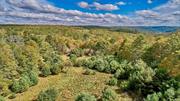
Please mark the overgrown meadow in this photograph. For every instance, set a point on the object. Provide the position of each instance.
(64, 63)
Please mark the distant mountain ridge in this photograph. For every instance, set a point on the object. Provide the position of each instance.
(158, 29)
(148, 29)
(137, 29)
(130, 29)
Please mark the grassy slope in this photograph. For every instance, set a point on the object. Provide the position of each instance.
(70, 84)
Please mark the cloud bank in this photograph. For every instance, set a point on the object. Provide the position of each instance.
(41, 12)
(98, 6)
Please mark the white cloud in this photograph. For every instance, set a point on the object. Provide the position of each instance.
(166, 14)
(108, 7)
(33, 4)
(83, 4)
(18, 13)
(176, 13)
(147, 13)
(150, 1)
(121, 3)
(98, 6)
(41, 12)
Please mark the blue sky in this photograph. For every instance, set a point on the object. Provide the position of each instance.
(129, 6)
(91, 12)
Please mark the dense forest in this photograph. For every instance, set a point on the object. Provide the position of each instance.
(145, 66)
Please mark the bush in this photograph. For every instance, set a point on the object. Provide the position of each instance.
(56, 69)
(109, 95)
(24, 84)
(33, 78)
(113, 81)
(125, 85)
(85, 97)
(153, 97)
(80, 62)
(2, 98)
(141, 73)
(161, 74)
(89, 72)
(48, 95)
(45, 72)
(78, 52)
(123, 71)
(114, 65)
(15, 87)
(170, 94)
(100, 65)
(12, 96)
(28, 79)
(21, 85)
(73, 57)
(119, 74)
(89, 63)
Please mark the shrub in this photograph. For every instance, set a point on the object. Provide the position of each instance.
(107, 67)
(113, 81)
(119, 73)
(78, 52)
(89, 63)
(161, 74)
(114, 65)
(109, 58)
(24, 84)
(56, 69)
(12, 96)
(169, 94)
(100, 65)
(80, 62)
(124, 70)
(85, 97)
(109, 95)
(73, 57)
(154, 97)
(15, 87)
(2, 98)
(48, 95)
(89, 72)
(33, 78)
(20, 86)
(125, 85)
(141, 72)
(45, 72)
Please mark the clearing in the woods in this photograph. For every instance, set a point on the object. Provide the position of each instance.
(71, 84)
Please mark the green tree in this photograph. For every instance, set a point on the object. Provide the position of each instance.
(32, 76)
(85, 97)
(24, 84)
(48, 95)
(159, 51)
(109, 95)
(45, 71)
(15, 87)
(113, 81)
(137, 48)
(154, 97)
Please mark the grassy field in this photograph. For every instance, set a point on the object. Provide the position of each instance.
(71, 84)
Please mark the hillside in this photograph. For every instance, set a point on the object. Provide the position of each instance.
(67, 63)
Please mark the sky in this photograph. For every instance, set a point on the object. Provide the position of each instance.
(91, 12)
